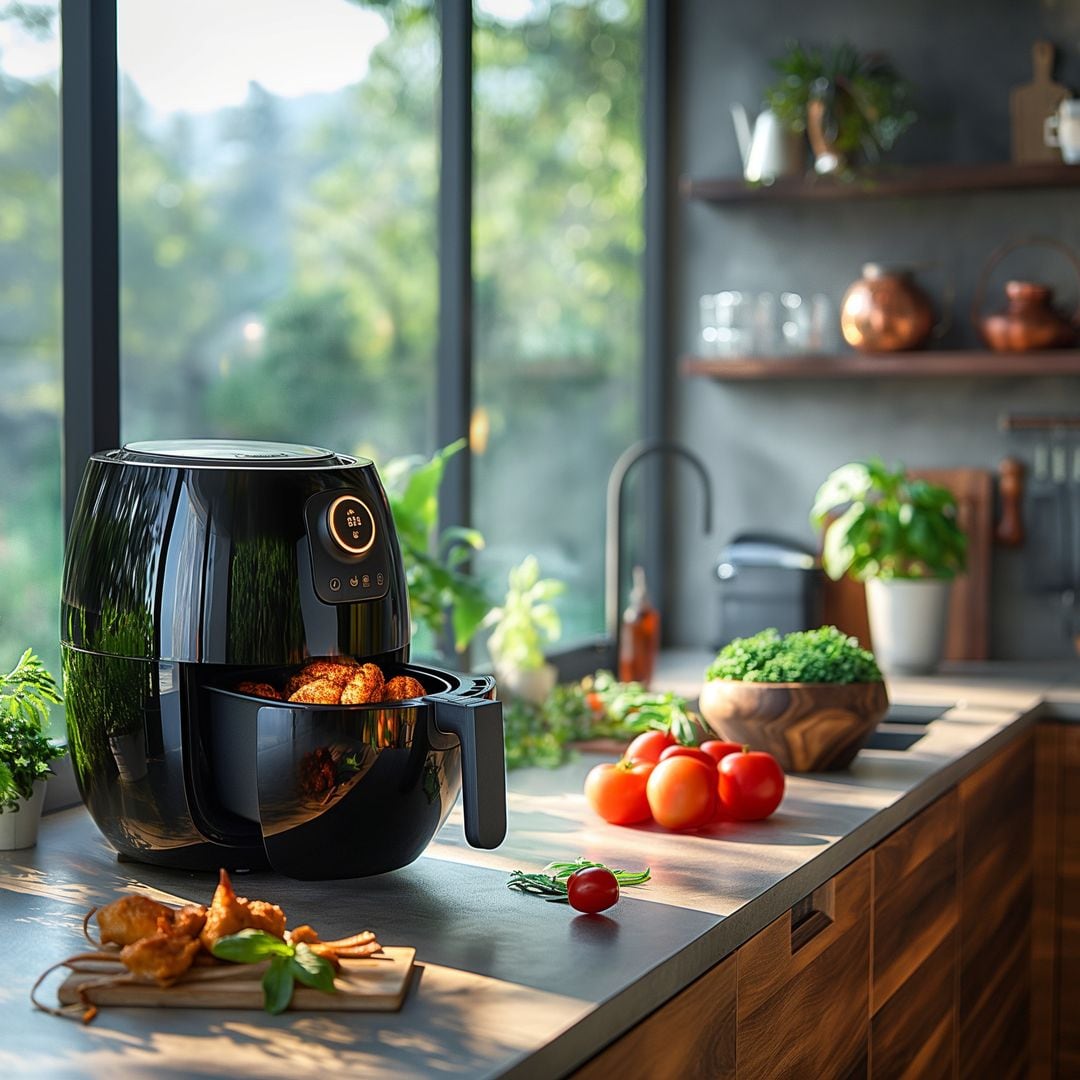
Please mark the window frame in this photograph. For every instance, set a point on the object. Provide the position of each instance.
(91, 263)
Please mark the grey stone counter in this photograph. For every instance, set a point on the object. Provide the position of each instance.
(506, 984)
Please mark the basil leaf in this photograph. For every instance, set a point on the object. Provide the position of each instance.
(277, 985)
(250, 946)
(313, 970)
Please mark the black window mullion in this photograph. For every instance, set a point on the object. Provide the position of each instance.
(91, 236)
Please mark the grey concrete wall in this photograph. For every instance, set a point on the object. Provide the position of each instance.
(770, 444)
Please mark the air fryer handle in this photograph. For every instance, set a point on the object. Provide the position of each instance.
(477, 723)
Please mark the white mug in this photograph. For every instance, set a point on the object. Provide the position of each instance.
(1063, 129)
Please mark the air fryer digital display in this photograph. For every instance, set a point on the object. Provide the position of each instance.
(348, 562)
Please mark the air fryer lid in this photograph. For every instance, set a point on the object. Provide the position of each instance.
(195, 453)
(762, 550)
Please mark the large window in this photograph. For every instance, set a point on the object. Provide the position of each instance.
(558, 255)
(30, 389)
(278, 183)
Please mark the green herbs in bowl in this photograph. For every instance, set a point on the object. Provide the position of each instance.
(811, 698)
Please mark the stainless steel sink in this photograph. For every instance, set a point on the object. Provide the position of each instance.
(904, 726)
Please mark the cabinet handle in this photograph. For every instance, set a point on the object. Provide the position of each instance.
(812, 915)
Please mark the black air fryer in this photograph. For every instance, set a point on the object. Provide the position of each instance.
(194, 567)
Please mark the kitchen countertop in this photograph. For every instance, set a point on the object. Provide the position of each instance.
(506, 984)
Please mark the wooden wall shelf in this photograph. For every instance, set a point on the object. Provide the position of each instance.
(887, 183)
(914, 365)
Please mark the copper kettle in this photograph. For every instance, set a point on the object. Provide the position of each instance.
(1030, 320)
(886, 311)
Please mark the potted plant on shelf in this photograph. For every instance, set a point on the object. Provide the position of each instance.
(901, 537)
(519, 630)
(26, 751)
(851, 105)
(811, 698)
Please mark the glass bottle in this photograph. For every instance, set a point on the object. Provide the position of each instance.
(640, 635)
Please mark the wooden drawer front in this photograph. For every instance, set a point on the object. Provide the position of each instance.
(692, 1035)
(996, 892)
(1068, 1002)
(916, 904)
(803, 1011)
(913, 1035)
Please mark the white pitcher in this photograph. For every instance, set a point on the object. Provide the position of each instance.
(770, 150)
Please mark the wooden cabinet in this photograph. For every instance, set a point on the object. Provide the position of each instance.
(914, 955)
(996, 892)
(803, 986)
(1068, 882)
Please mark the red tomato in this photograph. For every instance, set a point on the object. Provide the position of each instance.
(592, 889)
(690, 752)
(648, 746)
(718, 750)
(595, 702)
(682, 793)
(616, 791)
(751, 785)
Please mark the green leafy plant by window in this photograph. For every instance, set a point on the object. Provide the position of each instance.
(26, 693)
(879, 523)
(526, 620)
(825, 655)
(867, 105)
(434, 560)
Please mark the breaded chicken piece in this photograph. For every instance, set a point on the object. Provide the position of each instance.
(365, 686)
(161, 956)
(403, 687)
(338, 672)
(318, 692)
(188, 921)
(229, 914)
(257, 689)
(130, 918)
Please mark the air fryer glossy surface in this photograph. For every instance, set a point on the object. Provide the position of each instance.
(226, 564)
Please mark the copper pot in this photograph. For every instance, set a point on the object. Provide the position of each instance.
(886, 311)
(1030, 321)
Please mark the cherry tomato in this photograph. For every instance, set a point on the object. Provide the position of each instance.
(690, 752)
(718, 750)
(682, 793)
(592, 889)
(648, 746)
(616, 791)
(595, 702)
(751, 785)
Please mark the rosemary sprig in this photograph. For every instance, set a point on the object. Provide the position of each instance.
(550, 883)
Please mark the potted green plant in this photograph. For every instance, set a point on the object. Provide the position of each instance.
(26, 752)
(901, 537)
(811, 698)
(852, 105)
(520, 628)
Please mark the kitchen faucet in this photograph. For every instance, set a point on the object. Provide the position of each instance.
(613, 541)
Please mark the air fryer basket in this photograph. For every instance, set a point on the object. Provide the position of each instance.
(354, 790)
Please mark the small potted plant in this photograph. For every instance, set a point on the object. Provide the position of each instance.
(519, 630)
(900, 536)
(851, 105)
(26, 751)
(811, 698)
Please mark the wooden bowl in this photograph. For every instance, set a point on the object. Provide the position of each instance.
(807, 727)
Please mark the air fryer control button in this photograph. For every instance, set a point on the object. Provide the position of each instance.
(335, 584)
(351, 525)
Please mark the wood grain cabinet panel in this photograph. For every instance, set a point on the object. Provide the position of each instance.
(803, 986)
(913, 965)
(692, 1035)
(996, 892)
(1068, 972)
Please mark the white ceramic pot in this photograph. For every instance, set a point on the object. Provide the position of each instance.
(19, 828)
(533, 685)
(908, 619)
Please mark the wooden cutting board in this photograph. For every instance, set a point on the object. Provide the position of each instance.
(369, 985)
(968, 632)
(1031, 104)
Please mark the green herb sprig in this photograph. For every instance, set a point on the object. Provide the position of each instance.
(550, 883)
(824, 655)
(289, 964)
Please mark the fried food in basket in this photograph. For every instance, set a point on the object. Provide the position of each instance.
(317, 692)
(365, 686)
(166, 945)
(338, 672)
(258, 689)
(402, 688)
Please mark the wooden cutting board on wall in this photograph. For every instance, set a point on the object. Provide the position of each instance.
(968, 635)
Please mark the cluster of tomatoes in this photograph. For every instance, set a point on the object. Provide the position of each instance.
(685, 787)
